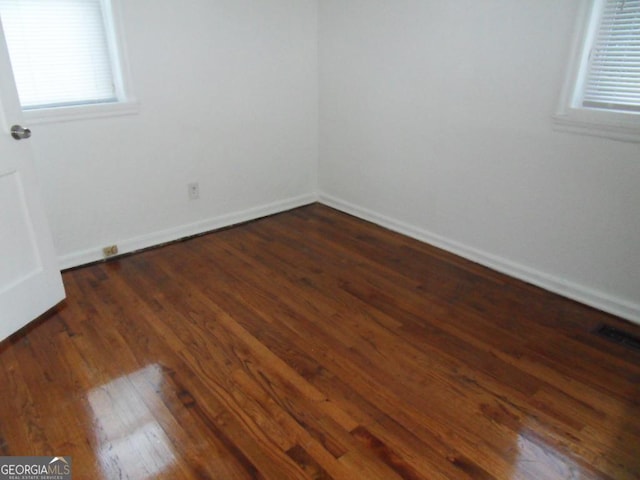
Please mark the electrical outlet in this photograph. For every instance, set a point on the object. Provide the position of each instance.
(194, 191)
(110, 251)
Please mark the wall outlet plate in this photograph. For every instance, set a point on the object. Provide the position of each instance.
(194, 191)
(110, 251)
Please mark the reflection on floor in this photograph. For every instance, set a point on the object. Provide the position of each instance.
(129, 436)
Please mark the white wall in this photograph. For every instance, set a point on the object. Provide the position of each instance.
(436, 121)
(228, 98)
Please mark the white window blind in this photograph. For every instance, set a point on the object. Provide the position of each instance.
(613, 76)
(59, 52)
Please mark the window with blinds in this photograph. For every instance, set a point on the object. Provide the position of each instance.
(60, 52)
(612, 76)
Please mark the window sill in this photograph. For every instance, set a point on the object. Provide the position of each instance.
(622, 127)
(80, 112)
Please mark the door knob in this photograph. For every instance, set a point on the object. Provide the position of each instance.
(18, 132)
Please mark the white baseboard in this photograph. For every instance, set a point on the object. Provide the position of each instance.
(601, 301)
(129, 245)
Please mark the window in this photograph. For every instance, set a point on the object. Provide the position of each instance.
(64, 55)
(602, 94)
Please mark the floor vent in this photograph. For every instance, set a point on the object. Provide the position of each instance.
(618, 336)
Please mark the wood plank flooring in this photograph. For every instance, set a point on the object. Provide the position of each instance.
(312, 345)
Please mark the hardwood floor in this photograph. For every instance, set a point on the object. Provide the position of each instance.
(314, 345)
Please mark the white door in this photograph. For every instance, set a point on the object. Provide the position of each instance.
(30, 281)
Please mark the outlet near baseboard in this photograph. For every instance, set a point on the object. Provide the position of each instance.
(110, 251)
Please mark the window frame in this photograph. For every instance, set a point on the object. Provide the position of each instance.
(574, 118)
(125, 103)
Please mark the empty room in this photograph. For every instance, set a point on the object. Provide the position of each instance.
(320, 239)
